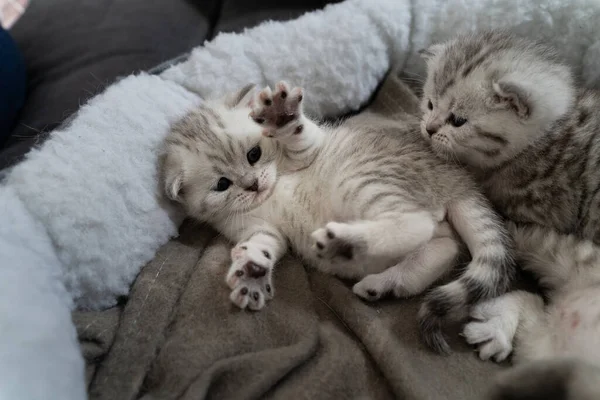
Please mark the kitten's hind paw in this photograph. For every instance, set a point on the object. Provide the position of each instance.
(336, 242)
(370, 288)
(249, 276)
(279, 112)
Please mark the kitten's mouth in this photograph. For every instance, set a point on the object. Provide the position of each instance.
(262, 194)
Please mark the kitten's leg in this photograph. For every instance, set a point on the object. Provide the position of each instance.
(499, 322)
(414, 274)
(283, 119)
(360, 242)
(250, 274)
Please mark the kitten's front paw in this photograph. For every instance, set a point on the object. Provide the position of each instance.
(370, 288)
(249, 276)
(335, 242)
(279, 113)
(488, 332)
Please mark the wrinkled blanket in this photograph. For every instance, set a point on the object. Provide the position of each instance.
(179, 337)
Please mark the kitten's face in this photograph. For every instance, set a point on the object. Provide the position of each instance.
(218, 164)
(466, 123)
(488, 96)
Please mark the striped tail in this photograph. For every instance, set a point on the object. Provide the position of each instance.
(489, 274)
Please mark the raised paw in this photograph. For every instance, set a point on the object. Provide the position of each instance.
(336, 242)
(249, 276)
(370, 288)
(279, 112)
(489, 333)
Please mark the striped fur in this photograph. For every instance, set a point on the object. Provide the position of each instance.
(532, 140)
(366, 199)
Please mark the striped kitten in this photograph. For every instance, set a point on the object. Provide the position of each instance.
(509, 111)
(357, 200)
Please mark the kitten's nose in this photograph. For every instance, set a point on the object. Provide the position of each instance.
(430, 130)
(254, 186)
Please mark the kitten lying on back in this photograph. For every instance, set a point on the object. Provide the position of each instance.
(358, 200)
(509, 111)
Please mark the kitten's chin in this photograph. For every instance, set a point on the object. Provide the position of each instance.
(442, 151)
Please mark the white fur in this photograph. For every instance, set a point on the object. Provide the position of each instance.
(92, 184)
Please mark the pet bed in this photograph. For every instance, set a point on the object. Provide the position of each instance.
(83, 214)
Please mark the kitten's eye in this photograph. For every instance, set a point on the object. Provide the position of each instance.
(254, 155)
(222, 185)
(430, 105)
(456, 121)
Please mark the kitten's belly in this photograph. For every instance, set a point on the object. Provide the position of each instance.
(298, 209)
(575, 325)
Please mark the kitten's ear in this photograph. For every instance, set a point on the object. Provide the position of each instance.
(241, 98)
(431, 51)
(174, 185)
(513, 95)
(171, 177)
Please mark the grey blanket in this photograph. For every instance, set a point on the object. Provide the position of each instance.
(178, 336)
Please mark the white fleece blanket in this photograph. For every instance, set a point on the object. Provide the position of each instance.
(82, 214)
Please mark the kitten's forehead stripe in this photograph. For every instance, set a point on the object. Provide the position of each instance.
(216, 158)
(209, 114)
(229, 155)
(241, 147)
(230, 145)
(445, 87)
(461, 58)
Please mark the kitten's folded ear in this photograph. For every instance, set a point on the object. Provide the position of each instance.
(513, 95)
(171, 178)
(174, 186)
(242, 97)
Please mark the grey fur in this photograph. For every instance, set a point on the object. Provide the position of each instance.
(532, 140)
(365, 200)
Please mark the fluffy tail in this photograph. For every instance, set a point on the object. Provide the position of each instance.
(555, 379)
(489, 274)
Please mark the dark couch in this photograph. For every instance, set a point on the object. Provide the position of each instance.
(73, 49)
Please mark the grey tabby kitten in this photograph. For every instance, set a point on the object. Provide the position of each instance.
(358, 200)
(509, 111)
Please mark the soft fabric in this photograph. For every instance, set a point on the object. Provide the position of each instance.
(105, 193)
(39, 357)
(317, 340)
(92, 185)
(12, 84)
